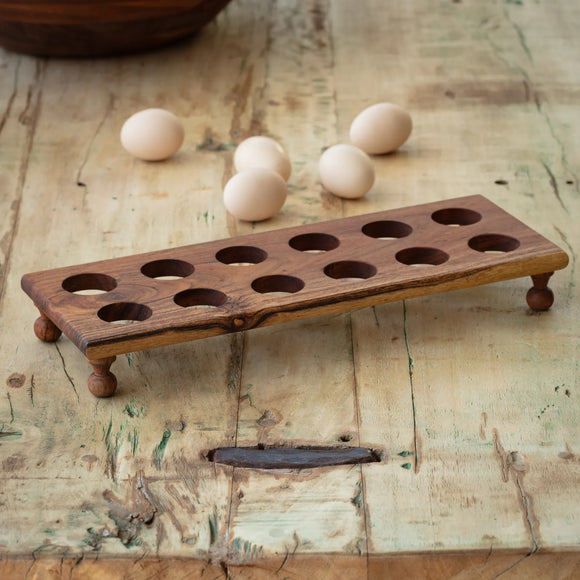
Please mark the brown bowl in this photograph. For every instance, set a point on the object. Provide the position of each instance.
(88, 28)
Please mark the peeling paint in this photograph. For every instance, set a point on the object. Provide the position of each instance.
(159, 451)
(131, 515)
(357, 500)
(9, 434)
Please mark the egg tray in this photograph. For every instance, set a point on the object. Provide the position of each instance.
(171, 296)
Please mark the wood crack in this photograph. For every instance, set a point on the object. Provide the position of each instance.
(237, 351)
(416, 459)
(526, 501)
(66, 372)
(11, 408)
(513, 463)
(362, 486)
(529, 87)
(11, 98)
(554, 186)
(23, 171)
(511, 567)
(570, 249)
(538, 103)
(107, 112)
(31, 390)
(563, 157)
(520, 34)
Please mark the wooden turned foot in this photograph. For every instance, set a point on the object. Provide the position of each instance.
(539, 296)
(102, 382)
(45, 329)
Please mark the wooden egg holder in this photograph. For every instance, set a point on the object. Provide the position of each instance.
(166, 297)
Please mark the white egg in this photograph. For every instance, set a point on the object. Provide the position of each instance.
(346, 171)
(381, 128)
(152, 134)
(263, 152)
(255, 194)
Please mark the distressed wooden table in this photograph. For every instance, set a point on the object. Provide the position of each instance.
(469, 400)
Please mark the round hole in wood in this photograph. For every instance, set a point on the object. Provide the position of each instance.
(241, 255)
(421, 256)
(200, 298)
(456, 216)
(350, 269)
(314, 243)
(387, 229)
(167, 269)
(89, 283)
(494, 243)
(124, 312)
(277, 284)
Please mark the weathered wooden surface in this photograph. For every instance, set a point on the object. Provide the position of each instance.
(473, 399)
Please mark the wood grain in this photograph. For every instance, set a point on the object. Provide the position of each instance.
(90, 28)
(472, 397)
(549, 566)
(289, 274)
